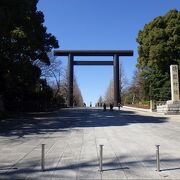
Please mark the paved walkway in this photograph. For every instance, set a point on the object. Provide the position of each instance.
(72, 139)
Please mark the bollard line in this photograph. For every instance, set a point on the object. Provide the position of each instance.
(101, 158)
(43, 157)
(157, 158)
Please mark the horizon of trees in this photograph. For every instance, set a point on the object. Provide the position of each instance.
(30, 74)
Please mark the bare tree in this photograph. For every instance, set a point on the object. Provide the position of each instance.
(135, 87)
(123, 82)
(133, 93)
(53, 73)
(77, 96)
(109, 95)
(100, 102)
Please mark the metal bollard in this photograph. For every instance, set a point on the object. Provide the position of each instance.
(43, 157)
(157, 158)
(101, 158)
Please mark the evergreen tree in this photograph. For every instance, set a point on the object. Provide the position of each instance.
(159, 47)
(23, 39)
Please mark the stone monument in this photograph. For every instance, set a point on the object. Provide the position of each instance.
(174, 83)
(172, 106)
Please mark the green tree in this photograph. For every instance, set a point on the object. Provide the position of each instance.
(159, 47)
(23, 39)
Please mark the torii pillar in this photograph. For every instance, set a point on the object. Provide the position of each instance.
(70, 80)
(113, 53)
(117, 98)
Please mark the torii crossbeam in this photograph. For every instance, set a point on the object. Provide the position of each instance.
(115, 62)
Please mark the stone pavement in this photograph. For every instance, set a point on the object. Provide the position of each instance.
(73, 136)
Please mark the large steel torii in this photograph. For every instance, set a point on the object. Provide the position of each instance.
(115, 62)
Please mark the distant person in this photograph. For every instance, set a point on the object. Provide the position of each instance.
(119, 105)
(104, 106)
(90, 104)
(84, 105)
(111, 107)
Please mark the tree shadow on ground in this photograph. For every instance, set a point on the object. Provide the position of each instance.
(141, 167)
(64, 120)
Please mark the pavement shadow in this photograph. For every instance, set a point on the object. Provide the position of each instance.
(129, 167)
(64, 120)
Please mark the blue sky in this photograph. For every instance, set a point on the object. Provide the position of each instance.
(99, 25)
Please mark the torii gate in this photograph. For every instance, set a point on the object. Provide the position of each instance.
(115, 62)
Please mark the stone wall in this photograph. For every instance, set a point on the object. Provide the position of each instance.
(171, 107)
